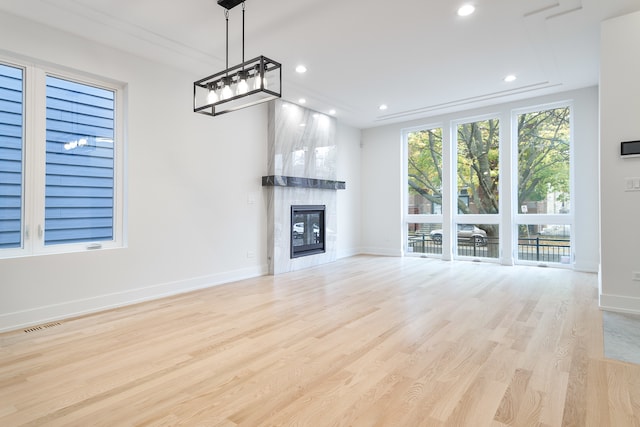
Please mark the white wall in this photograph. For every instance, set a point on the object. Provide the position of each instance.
(349, 200)
(190, 180)
(382, 175)
(382, 190)
(619, 121)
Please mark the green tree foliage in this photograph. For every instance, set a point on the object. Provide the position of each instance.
(543, 155)
(478, 166)
(425, 164)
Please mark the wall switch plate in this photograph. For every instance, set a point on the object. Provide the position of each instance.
(636, 276)
(632, 184)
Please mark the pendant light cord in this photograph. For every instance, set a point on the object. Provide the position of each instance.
(242, 35)
(226, 15)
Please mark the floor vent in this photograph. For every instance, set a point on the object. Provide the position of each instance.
(41, 327)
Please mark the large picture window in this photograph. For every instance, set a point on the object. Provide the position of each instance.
(543, 212)
(424, 191)
(66, 194)
(477, 189)
(458, 204)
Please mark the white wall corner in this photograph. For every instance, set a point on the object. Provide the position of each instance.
(349, 252)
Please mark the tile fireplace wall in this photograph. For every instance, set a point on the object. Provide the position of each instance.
(302, 144)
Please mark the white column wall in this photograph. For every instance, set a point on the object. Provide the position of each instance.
(349, 200)
(619, 121)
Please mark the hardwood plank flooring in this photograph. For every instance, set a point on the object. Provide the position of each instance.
(365, 341)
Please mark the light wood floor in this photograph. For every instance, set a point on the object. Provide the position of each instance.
(361, 342)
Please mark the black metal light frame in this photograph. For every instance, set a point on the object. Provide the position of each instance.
(265, 73)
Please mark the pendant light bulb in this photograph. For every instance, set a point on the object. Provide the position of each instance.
(243, 86)
(226, 89)
(212, 96)
(227, 92)
(258, 80)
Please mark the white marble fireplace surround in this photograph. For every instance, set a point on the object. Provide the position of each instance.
(302, 144)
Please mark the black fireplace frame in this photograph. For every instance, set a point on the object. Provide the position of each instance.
(317, 247)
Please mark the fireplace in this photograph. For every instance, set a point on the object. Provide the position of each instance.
(301, 188)
(307, 230)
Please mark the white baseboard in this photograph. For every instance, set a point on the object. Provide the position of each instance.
(586, 267)
(56, 312)
(382, 251)
(346, 253)
(620, 304)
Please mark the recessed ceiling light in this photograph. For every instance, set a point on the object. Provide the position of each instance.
(510, 78)
(383, 107)
(302, 101)
(466, 10)
(301, 69)
(332, 112)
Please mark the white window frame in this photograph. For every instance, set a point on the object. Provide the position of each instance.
(418, 218)
(518, 218)
(34, 161)
(456, 218)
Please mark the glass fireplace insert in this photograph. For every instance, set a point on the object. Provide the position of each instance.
(307, 230)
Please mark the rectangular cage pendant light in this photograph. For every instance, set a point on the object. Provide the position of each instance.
(248, 83)
(252, 82)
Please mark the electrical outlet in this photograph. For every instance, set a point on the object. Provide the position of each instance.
(636, 276)
(251, 254)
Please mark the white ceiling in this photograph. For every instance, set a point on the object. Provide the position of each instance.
(416, 56)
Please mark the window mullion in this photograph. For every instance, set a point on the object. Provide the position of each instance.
(36, 152)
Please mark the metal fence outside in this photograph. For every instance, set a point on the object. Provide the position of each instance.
(423, 244)
(529, 249)
(544, 249)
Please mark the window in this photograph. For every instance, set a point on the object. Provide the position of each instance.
(478, 167)
(543, 217)
(11, 153)
(79, 163)
(455, 204)
(61, 185)
(424, 191)
(477, 189)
